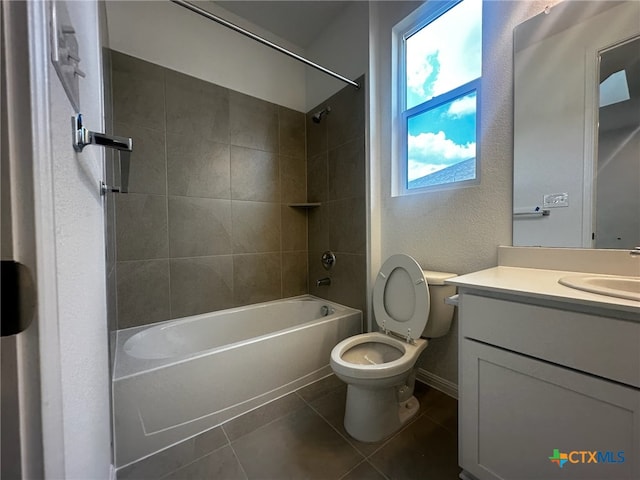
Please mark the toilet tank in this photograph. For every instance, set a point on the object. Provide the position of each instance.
(440, 314)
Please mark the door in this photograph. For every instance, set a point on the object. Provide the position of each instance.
(21, 453)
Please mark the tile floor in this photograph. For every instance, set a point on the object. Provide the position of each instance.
(301, 436)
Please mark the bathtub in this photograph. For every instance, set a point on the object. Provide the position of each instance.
(175, 379)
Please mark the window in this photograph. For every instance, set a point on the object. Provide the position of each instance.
(439, 72)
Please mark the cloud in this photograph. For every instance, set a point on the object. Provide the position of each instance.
(463, 106)
(418, 70)
(430, 152)
(436, 149)
(458, 55)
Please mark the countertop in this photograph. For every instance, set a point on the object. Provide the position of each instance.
(540, 284)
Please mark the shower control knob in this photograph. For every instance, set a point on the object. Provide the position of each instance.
(328, 260)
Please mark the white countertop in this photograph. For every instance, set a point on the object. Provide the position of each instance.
(541, 284)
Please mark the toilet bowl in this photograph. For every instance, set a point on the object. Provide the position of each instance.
(379, 367)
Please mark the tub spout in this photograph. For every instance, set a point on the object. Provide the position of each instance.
(323, 281)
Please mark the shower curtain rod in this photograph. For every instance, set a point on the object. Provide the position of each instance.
(247, 33)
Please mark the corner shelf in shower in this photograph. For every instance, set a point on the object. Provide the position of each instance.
(306, 205)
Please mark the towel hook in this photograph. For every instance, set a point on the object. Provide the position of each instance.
(83, 137)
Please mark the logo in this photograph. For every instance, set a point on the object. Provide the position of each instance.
(585, 456)
(559, 458)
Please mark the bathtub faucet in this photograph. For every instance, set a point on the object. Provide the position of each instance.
(323, 281)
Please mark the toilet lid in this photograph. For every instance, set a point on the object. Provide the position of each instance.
(401, 297)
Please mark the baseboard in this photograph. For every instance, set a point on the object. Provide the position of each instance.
(112, 472)
(464, 475)
(439, 383)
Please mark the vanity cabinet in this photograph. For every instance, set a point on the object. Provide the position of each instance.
(539, 382)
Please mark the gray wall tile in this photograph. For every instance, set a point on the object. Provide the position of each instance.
(196, 109)
(348, 279)
(347, 170)
(148, 170)
(256, 227)
(347, 116)
(255, 175)
(293, 177)
(318, 228)
(200, 285)
(294, 229)
(316, 133)
(318, 177)
(141, 227)
(199, 227)
(197, 167)
(138, 92)
(143, 292)
(256, 278)
(292, 132)
(336, 177)
(211, 172)
(294, 274)
(253, 122)
(348, 227)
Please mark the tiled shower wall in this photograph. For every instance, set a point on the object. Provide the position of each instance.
(337, 178)
(206, 224)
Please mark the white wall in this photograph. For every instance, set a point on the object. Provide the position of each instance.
(450, 230)
(555, 124)
(169, 35)
(342, 47)
(73, 338)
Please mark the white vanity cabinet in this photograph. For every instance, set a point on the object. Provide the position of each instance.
(539, 381)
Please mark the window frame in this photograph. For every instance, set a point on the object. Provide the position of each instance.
(412, 24)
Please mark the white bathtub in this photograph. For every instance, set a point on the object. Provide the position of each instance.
(175, 379)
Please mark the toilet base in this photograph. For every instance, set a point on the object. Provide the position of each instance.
(408, 409)
(372, 415)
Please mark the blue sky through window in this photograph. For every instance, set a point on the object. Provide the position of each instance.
(440, 57)
(441, 137)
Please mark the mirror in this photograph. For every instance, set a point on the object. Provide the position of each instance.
(574, 184)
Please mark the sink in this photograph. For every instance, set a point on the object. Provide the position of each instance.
(613, 286)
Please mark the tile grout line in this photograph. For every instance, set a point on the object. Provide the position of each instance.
(233, 450)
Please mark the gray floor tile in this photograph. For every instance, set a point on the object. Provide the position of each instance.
(422, 450)
(300, 445)
(321, 388)
(331, 408)
(364, 471)
(209, 441)
(259, 417)
(220, 464)
(441, 408)
(157, 465)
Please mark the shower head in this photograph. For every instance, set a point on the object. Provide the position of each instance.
(316, 117)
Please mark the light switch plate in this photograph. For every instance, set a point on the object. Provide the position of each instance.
(553, 200)
(64, 52)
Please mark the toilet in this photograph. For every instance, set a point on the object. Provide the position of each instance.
(379, 367)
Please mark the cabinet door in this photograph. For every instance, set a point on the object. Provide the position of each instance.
(520, 418)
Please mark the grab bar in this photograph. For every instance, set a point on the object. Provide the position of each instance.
(83, 137)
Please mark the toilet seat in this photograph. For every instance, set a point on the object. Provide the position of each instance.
(409, 353)
(401, 297)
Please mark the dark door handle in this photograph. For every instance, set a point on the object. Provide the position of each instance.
(18, 298)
